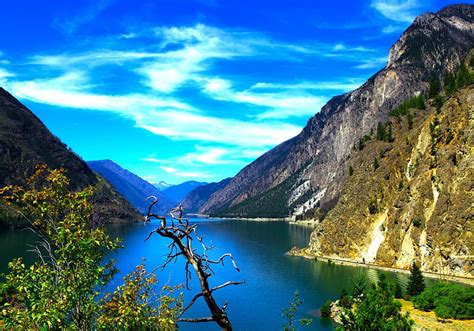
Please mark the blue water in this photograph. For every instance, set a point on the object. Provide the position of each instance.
(270, 276)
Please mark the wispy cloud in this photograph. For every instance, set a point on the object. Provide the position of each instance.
(403, 11)
(372, 63)
(177, 58)
(71, 25)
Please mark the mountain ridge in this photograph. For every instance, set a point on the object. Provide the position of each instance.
(132, 187)
(25, 141)
(317, 152)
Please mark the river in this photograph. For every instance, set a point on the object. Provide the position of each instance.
(270, 276)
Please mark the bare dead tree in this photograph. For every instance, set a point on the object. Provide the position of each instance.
(182, 235)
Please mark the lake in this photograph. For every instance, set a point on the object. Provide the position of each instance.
(270, 276)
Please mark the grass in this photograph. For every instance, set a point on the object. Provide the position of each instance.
(428, 320)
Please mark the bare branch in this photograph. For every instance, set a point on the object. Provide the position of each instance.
(182, 235)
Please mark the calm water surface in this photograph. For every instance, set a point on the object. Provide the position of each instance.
(270, 276)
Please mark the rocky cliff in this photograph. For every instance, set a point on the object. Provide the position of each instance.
(25, 141)
(409, 198)
(306, 172)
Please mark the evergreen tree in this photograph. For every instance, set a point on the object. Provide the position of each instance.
(381, 132)
(450, 84)
(435, 87)
(351, 171)
(463, 77)
(416, 282)
(376, 164)
(397, 291)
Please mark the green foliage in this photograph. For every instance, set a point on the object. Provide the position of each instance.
(400, 185)
(471, 61)
(417, 222)
(351, 171)
(438, 102)
(448, 300)
(377, 310)
(289, 314)
(345, 300)
(326, 309)
(362, 141)
(375, 164)
(417, 102)
(416, 282)
(463, 77)
(61, 289)
(435, 87)
(134, 306)
(449, 83)
(397, 291)
(360, 283)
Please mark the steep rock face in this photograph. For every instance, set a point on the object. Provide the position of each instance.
(25, 141)
(417, 204)
(194, 200)
(133, 188)
(433, 44)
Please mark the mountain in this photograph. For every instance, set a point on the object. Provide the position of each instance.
(306, 171)
(133, 188)
(25, 141)
(162, 185)
(194, 200)
(178, 192)
(415, 202)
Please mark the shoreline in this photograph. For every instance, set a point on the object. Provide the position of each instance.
(290, 220)
(348, 262)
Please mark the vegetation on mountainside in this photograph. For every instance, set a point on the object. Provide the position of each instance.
(61, 289)
(271, 203)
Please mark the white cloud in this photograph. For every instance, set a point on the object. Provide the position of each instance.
(397, 10)
(344, 85)
(170, 170)
(372, 63)
(280, 105)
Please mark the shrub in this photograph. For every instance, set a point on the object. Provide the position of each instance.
(417, 222)
(447, 300)
(326, 309)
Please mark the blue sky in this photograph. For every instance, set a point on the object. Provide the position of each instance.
(194, 89)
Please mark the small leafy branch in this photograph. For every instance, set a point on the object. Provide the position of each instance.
(182, 235)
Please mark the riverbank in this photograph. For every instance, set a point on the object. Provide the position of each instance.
(290, 220)
(305, 253)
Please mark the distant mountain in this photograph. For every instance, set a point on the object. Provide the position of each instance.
(178, 192)
(162, 185)
(131, 186)
(194, 200)
(25, 141)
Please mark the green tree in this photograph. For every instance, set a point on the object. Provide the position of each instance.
(381, 132)
(351, 171)
(463, 77)
(435, 87)
(289, 314)
(375, 164)
(377, 310)
(448, 300)
(326, 309)
(450, 84)
(416, 282)
(61, 289)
